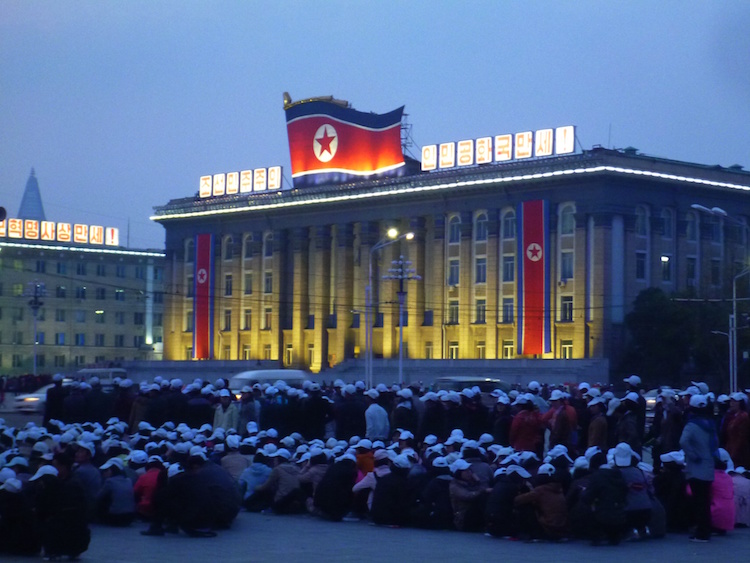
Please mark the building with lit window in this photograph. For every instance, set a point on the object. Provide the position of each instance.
(290, 267)
(92, 301)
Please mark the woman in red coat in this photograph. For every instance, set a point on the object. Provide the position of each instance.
(527, 429)
(736, 431)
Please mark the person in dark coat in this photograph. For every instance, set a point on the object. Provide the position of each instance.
(333, 496)
(19, 532)
(500, 421)
(499, 513)
(223, 491)
(606, 495)
(199, 410)
(115, 502)
(317, 412)
(350, 415)
(670, 487)
(391, 498)
(54, 401)
(432, 417)
(433, 508)
(61, 510)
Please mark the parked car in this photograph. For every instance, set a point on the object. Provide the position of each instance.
(33, 403)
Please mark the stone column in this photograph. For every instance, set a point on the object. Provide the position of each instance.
(344, 293)
(300, 301)
(321, 294)
(493, 279)
(415, 299)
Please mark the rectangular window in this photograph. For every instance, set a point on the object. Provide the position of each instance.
(59, 361)
(453, 312)
(158, 297)
(227, 319)
(691, 267)
(60, 315)
(480, 270)
(453, 350)
(248, 319)
(98, 340)
(80, 339)
(507, 310)
(158, 274)
(189, 287)
(428, 351)
(101, 270)
(59, 339)
(81, 268)
(120, 270)
(267, 318)
(640, 265)
(566, 308)
(138, 341)
(101, 293)
(139, 318)
(509, 350)
(453, 271)
(81, 292)
(40, 360)
(226, 353)
(62, 268)
(18, 314)
(17, 361)
(245, 351)
(228, 285)
(288, 355)
(268, 283)
(158, 319)
(80, 316)
(80, 360)
(666, 268)
(267, 351)
(100, 359)
(188, 321)
(509, 226)
(566, 266)
(480, 350)
(17, 289)
(566, 349)
(248, 289)
(60, 291)
(715, 271)
(119, 295)
(18, 337)
(119, 318)
(41, 266)
(140, 272)
(481, 311)
(119, 340)
(509, 268)
(100, 317)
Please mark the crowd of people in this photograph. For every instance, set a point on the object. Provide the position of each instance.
(534, 464)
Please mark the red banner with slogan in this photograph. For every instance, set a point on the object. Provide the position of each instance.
(534, 319)
(203, 303)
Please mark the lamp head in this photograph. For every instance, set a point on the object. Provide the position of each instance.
(392, 232)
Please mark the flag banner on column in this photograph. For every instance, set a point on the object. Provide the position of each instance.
(203, 301)
(534, 316)
(332, 143)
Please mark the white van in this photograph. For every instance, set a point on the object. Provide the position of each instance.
(292, 377)
(106, 375)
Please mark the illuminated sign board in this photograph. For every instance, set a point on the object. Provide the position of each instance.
(50, 231)
(500, 148)
(244, 182)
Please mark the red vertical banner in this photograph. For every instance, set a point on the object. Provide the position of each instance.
(534, 317)
(203, 305)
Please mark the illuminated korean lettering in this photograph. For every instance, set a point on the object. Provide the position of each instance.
(233, 183)
(429, 157)
(447, 155)
(466, 153)
(205, 187)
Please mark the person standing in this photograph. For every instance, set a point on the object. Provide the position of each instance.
(699, 442)
(376, 418)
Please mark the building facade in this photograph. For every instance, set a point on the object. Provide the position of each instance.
(291, 267)
(94, 306)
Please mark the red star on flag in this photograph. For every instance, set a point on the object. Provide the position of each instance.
(325, 141)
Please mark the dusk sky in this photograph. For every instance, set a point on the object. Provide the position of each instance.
(122, 106)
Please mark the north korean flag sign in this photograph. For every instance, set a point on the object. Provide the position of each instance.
(332, 143)
(203, 303)
(534, 319)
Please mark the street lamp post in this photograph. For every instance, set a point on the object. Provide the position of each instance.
(403, 272)
(392, 237)
(35, 290)
(719, 212)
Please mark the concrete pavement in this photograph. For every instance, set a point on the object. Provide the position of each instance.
(259, 538)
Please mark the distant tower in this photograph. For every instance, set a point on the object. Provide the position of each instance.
(31, 204)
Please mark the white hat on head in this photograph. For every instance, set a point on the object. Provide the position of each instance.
(556, 395)
(633, 380)
(44, 470)
(459, 465)
(581, 462)
(593, 392)
(677, 457)
(612, 406)
(596, 401)
(698, 401)
(546, 469)
(583, 385)
(534, 386)
(174, 469)
(702, 386)
(692, 390)
(12, 485)
(592, 451)
(113, 462)
(632, 396)
(517, 469)
(623, 454)
(372, 393)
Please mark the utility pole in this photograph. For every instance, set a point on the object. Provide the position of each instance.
(35, 290)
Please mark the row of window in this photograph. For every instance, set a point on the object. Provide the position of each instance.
(666, 268)
(247, 320)
(508, 272)
(81, 292)
(59, 360)
(80, 316)
(80, 339)
(100, 270)
(227, 248)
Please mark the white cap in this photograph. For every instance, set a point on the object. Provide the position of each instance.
(583, 385)
(556, 395)
(623, 454)
(459, 465)
(534, 386)
(44, 470)
(546, 469)
(702, 387)
(633, 380)
(632, 396)
(372, 393)
(698, 401)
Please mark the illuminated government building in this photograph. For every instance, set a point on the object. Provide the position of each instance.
(96, 302)
(290, 266)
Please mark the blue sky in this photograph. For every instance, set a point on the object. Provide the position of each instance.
(121, 106)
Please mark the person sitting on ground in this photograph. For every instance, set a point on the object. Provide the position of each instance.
(333, 496)
(500, 516)
(115, 503)
(722, 495)
(391, 498)
(283, 485)
(638, 500)
(543, 512)
(606, 495)
(467, 497)
(433, 509)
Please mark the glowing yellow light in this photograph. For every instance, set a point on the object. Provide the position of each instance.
(392, 233)
(409, 236)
